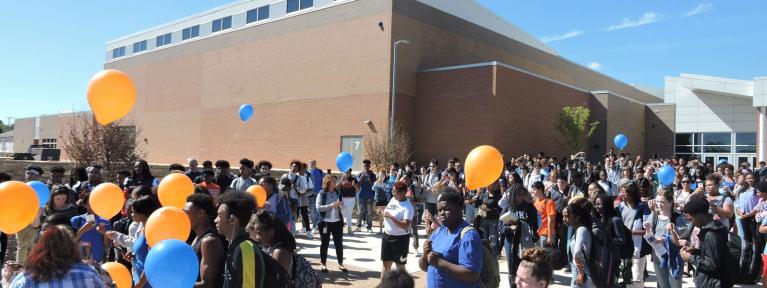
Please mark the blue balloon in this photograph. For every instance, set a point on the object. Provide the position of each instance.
(246, 111)
(344, 161)
(620, 141)
(43, 193)
(172, 264)
(666, 175)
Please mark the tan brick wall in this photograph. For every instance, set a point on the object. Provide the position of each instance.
(310, 78)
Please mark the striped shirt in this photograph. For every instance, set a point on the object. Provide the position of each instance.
(79, 276)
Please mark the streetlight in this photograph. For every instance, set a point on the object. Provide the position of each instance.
(394, 86)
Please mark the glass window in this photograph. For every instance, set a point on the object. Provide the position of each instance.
(295, 5)
(683, 149)
(191, 32)
(745, 149)
(163, 40)
(745, 138)
(263, 13)
(118, 52)
(684, 139)
(697, 149)
(222, 24)
(716, 149)
(258, 14)
(716, 139)
(139, 46)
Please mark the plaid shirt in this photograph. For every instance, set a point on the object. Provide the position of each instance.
(79, 276)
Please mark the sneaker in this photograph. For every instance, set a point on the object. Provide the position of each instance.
(314, 230)
(309, 235)
(349, 231)
(358, 229)
(370, 230)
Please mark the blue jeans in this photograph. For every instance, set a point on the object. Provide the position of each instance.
(470, 213)
(365, 212)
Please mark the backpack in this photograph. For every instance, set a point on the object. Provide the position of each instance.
(603, 261)
(626, 249)
(274, 274)
(303, 273)
(743, 263)
(490, 274)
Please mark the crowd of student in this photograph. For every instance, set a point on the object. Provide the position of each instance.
(599, 221)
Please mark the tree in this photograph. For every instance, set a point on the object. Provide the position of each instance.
(575, 128)
(4, 127)
(383, 150)
(112, 146)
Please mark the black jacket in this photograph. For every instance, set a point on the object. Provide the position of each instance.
(709, 260)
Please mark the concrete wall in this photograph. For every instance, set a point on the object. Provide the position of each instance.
(700, 111)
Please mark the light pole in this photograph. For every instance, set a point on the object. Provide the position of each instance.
(394, 86)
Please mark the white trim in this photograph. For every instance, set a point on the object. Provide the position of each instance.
(191, 22)
(496, 63)
(660, 104)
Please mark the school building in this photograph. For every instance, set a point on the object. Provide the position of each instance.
(320, 73)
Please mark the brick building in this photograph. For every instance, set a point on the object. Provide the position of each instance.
(317, 71)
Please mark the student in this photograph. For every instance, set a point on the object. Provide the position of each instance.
(396, 279)
(535, 270)
(634, 214)
(548, 211)
(365, 213)
(233, 215)
(59, 203)
(708, 259)
(722, 207)
(665, 229)
(241, 184)
(207, 244)
(55, 262)
(274, 238)
(578, 216)
(223, 177)
(453, 256)
(208, 183)
(489, 209)
(521, 232)
(397, 218)
(91, 229)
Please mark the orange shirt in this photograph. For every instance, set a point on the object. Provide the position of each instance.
(546, 208)
(213, 188)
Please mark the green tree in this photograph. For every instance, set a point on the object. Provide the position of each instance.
(575, 128)
(4, 128)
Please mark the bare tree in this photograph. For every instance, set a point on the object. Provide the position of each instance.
(112, 146)
(384, 150)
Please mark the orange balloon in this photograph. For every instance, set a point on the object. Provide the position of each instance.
(106, 200)
(259, 193)
(119, 274)
(167, 223)
(483, 166)
(174, 189)
(18, 206)
(111, 95)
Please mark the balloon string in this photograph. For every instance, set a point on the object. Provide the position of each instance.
(236, 131)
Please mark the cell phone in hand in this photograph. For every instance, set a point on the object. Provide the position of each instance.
(90, 218)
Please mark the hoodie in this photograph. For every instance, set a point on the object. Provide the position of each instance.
(708, 262)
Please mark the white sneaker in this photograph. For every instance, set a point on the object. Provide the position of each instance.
(309, 235)
(314, 230)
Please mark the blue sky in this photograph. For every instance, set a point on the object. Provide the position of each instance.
(53, 47)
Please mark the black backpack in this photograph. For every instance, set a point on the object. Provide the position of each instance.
(603, 261)
(743, 263)
(274, 274)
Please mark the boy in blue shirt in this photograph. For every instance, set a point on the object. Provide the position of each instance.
(90, 232)
(450, 258)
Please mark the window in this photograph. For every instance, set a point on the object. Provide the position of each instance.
(222, 24)
(163, 40)
(716, 139)
(139, 46)
(295, 5)
(745, 138)
(683, 139)
(118, 52)
(717, 149)
(51, 143)
(191, 32)
(258, 14)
